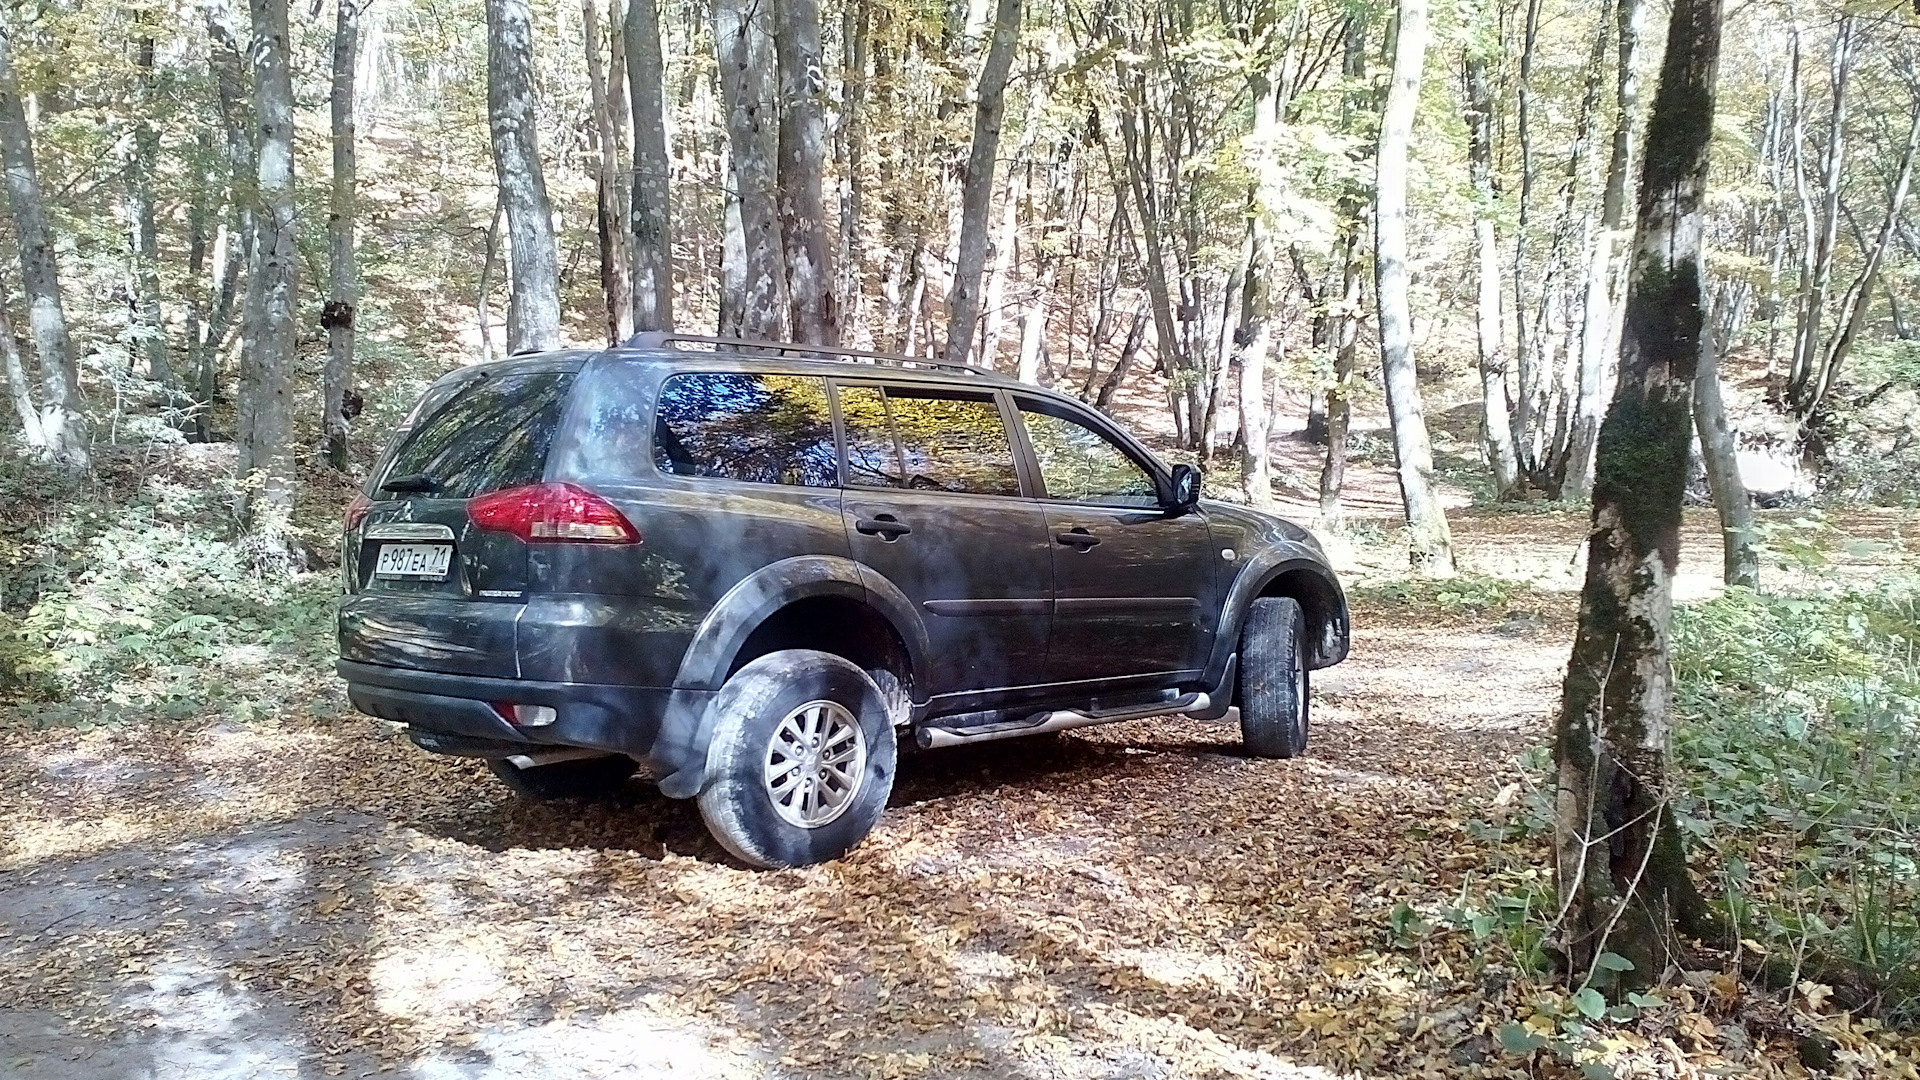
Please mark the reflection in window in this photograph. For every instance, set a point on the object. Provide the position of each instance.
(769, 429)
(1081, 465)
(946, 441)
(492, 433)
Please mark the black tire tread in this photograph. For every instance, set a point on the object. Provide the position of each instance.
(1273, 712)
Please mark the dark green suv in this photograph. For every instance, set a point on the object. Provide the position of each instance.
(754, 568)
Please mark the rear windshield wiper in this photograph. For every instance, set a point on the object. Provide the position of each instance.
(411, 482)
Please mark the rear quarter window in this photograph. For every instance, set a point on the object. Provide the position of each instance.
(763, 428)
(492, 433)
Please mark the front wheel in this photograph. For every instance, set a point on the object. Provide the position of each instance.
(801, 759)
(1273, 678)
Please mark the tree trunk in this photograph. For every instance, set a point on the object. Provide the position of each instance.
(652, 223)
(804, 227)
(233, 247)
(15, 374)
(142, 231)
(747, 75)
(533, 268)
(60, 424)
(1803, 371)
(1431, 542)
(1739, 540)
(976, 194)
(343, 287)
(1346, 321)
(613, 199)
(856, 25)
(1496, 416)
(1600, 311)
(267, 452)
(1619, 859)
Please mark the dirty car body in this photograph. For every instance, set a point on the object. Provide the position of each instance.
(573, 553)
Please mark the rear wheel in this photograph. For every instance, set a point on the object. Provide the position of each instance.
(584, 778)
(1274, 694)
(801, 759)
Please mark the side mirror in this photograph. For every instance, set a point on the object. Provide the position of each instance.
(1186, 489)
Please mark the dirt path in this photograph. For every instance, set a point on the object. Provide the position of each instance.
(317, 898)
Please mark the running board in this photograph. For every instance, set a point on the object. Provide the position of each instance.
(1041, 723)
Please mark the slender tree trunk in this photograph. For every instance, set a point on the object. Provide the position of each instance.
(233, 248)
(652, 223)
(533, 268)
(1346, 320)
(856, 27)
(60, 422)
(143, 232)
(1739, 540)
(976, 195)
(804, 227)
(483, 306)
(1621, 867)
(747, 77)
(614, 201)
(1431, 549)
(18, 392)
(1803, 371)
(343, 286)
(267, 452)
(1496, 417)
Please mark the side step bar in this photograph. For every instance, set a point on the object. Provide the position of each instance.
(1040, 723)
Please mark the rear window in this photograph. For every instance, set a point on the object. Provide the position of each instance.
(491, 434)
(768, 429)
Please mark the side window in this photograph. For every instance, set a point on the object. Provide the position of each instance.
(1079, 464)
(946, 441)
(769, 429)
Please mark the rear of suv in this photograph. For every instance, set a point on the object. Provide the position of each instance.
(754, 569)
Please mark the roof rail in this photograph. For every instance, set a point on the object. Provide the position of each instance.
(658, 339)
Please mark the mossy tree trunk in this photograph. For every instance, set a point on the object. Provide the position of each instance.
(1621, 865)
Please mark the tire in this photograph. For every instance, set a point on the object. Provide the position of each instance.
(585, 778)
(1273, 692)
(770, 792)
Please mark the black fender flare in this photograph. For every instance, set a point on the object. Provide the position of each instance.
(1331, 637)
(681, 748)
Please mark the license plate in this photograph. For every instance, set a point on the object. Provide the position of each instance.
(428, 561)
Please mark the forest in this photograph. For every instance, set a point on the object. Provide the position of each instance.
(1584, 336)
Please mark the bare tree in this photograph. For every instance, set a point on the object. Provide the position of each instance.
(266, 446)
(1739, 540)
(1431, 542)
(143, 231)
(343, 285)
(614, 199)
(651, 225)
(742, 38)
(533, 267)
(976, 193)
(1347, 312)
(60, 424)
(1620, 863)
(804, 227)
(1495, 415)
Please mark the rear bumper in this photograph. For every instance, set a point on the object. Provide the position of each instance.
(454, 714)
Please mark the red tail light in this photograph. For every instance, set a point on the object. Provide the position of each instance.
(553, 514)
(357, 510)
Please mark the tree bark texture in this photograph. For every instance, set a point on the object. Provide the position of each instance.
(60, 420)
(15, 372)
(1496, 416)
(976, 193)
(337, 316)
(651, 224)
(143, 233)
(1739, 540)
(614, 199)
(743, 39)
(1431, 542)
(1346, 319)
(533, 267)
(804, 228)
(1620, 864)
(267, 451)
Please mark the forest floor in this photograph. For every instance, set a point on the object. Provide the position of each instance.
(311, 896)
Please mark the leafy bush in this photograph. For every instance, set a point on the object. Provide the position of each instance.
(1800, 716)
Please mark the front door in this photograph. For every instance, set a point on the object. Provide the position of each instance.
(1133, 587)
(933, 503)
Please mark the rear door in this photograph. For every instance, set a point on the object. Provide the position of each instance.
(1130, 582)
(934, 503)
(431, 591)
